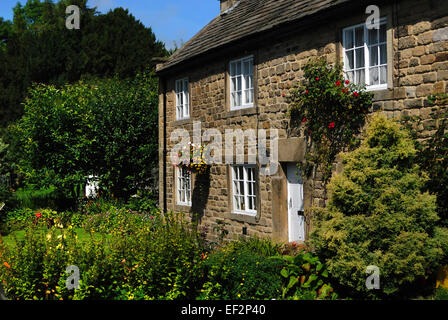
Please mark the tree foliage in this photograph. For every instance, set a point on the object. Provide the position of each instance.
(106, 128)
(37, 47)
(379, 215)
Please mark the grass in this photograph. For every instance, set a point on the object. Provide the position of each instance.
(83, 236)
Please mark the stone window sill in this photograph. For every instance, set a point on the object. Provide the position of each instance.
(244, 217)
(182, 208)
(183, 122)
(241, 112)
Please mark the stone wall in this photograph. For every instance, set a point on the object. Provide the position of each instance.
(418, 67)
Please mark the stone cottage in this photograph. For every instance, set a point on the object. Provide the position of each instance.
(234, 72)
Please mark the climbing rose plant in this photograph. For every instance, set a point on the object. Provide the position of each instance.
(331, 110)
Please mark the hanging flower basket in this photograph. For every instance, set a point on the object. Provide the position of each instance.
(196, 163)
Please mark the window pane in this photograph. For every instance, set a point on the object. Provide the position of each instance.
(373, 36)
(246, 82)
(349, 59)
(373, 56)
(246, 67)
(238, 68)
(360, 58)
(350, 76)
(348, 39)
(232, 69)
(383, 75)
(359, 36)
(237, 203)
(233, 85)
(374, 76)
(383, 32)
(238, 84)
(238, 99)
(360, 77)
(383, 54)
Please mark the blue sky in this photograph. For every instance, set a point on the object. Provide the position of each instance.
(170, 20)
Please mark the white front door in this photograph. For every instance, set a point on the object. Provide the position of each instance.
(296, 220)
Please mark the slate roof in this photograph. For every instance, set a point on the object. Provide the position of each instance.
(248, 18)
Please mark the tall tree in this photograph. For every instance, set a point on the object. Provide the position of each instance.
(37, 47)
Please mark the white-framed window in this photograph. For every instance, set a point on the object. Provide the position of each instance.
(182, 99)
(183, 187)
(243, 189)
(365, 55)
(241, 83)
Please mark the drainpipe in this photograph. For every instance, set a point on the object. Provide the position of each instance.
(165, 151)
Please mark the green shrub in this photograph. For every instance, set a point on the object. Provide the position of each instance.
(158, 259)
(305, 278)
(441, 293)
(378, 215)
(235, 272)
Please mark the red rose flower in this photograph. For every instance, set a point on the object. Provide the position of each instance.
(38, 214)
(317, 79)
(347, 82)
(283, 95)
(294, 244)
(338, 83)
(306, 91)
(331, 125)
(356, 94)
(345, 90)
(304, 120)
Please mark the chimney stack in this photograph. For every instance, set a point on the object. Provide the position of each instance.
(227, 4)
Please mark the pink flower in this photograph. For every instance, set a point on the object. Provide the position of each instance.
(294, 244)
(317, 79)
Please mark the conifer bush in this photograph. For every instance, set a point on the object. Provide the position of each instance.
(378, 215)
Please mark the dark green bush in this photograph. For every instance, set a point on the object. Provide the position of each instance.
(236, 272)
(441, 293)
